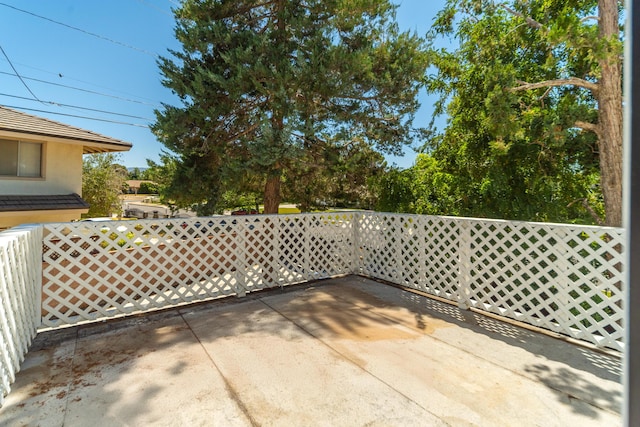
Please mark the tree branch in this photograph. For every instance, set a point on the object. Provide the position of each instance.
(587, 18)
(587, 206)
(571, 81)
(587, 126)
(529, 21)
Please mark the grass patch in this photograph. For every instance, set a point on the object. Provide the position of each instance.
(282, 210)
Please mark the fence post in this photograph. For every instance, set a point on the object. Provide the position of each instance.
(278, 251)
(564, 283)
(355, 243)
(242, 237)
(464, 264)
(305, 233)
(38, 259)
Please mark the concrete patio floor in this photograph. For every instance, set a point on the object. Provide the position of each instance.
(341, 352)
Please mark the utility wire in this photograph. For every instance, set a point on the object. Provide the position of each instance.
(164, 12)
(18, 74)
(80, 89)
(77, 107)
(146, 52)
(64, 76)
(76, 116)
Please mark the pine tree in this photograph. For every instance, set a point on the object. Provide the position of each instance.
(261, 83)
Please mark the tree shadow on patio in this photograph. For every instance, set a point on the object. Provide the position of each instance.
(571, 370)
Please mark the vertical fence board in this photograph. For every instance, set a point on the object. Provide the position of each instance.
(20, 284)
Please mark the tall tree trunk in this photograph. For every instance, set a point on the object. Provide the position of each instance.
(272, 186)
(272, 192)
(610, 116)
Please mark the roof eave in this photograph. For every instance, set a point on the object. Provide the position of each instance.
(88, 147)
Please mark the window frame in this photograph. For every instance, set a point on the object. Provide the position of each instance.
(17, 176)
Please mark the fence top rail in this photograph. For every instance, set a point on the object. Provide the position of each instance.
(16, 232)
(499, 221)
(336, 215)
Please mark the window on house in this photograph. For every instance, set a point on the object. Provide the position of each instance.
(19, 158)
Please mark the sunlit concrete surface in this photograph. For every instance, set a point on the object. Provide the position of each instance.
(342, 352)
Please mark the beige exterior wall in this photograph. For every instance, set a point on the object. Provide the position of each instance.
(12, 219)
(63, 147)
(62, 172)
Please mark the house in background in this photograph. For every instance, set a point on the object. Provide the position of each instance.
(135, 184)
(41, 168)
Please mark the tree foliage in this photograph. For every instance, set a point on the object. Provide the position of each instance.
(103, 180)
(148, 187)
(333, 174)
(532, 95)
(173, 180)
(263, 85)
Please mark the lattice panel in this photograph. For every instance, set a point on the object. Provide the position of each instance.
(295, 249)
(560, 277)
(103, 269)
(315, 246)
(20, 285)
(262, 253)
(379, 239)
(430, 255)
(416, 251)
(330, 240)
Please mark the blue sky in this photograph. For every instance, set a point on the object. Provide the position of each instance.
(66, 66)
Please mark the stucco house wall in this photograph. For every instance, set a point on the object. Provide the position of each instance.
(54, 196)
(62, 172)
(12, 219)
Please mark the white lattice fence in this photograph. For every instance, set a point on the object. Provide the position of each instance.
(97, 270)
(412, 250)
(20, 285)
(315, 246)
(561, 277)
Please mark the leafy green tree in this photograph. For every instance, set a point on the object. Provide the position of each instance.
(102, 183)
(263, 83)
(173, 186)
(434, 190)
(394, 191)
(358, 164)
(234, 200)
(148, 187)
(533, 96)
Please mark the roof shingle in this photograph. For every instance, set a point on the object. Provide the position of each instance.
(17, 121)
(14, 203)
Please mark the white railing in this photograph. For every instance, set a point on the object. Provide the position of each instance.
(96, 270)
(564, 278)
(20, 286)
(560, 277)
